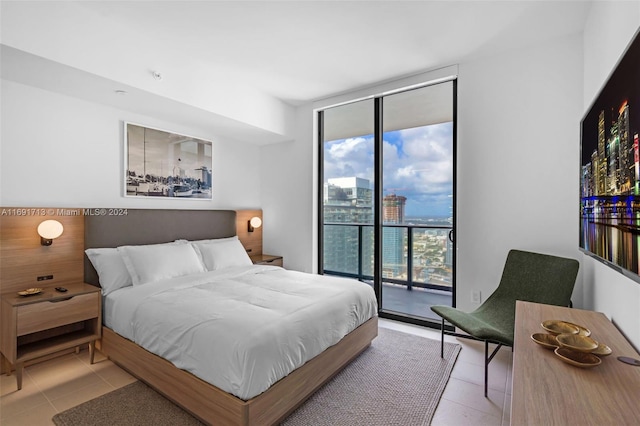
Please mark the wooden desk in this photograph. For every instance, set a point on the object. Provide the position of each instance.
(548, 391)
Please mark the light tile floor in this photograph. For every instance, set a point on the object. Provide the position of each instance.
(463, 402)
(64, 382)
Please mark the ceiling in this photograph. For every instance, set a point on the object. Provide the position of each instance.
(254, 61)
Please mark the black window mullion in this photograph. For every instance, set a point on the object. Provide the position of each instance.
(455, 189)
(377, 204)
(321, 192)
(409, 258)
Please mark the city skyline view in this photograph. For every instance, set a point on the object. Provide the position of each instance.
(349, 240)
(610, 167)
(611, 161)
(417, 165)
(609, 133)
(409, 171)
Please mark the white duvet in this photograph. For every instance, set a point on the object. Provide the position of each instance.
(241, 328)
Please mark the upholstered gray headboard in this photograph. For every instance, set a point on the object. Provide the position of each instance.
(117, 227)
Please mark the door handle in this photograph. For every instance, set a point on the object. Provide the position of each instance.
(451, 235)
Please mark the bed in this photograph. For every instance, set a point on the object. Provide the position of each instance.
(278, 340)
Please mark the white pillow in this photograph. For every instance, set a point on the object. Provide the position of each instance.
(112, 271)
(156, 262)
(222, 254)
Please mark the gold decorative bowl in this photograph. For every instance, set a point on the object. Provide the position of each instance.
(602, 350)
(578, 359)
(576, 342)
(560, 327)
(545, 340)
(583, 331)
(30, 291)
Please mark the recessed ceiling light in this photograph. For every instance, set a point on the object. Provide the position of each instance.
(121, 92)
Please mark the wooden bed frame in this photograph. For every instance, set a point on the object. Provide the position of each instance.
(205, 401)
(214, 406)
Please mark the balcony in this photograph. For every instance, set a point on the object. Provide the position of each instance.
(417, 263)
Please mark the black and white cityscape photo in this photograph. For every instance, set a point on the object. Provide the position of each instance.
(165, 164)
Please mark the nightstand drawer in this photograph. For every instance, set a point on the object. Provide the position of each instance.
(49, 314)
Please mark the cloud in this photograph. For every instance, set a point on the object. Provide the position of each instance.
(426, 166)
(417, 162)
(349, 157)
(348, 148)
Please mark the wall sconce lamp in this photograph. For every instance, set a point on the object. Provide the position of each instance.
(254, 223)
(48, 231)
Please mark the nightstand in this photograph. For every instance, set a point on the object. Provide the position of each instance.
(49, 322)
(266, 259)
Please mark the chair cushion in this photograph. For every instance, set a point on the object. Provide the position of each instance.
(475, 325)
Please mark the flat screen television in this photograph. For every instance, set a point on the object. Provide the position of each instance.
(610, 169)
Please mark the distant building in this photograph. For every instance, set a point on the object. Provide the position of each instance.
(615, 167)
(205, 179)
(393, 208)
(347, 200)
(393, 259)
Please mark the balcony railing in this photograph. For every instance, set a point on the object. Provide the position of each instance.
(412, 255)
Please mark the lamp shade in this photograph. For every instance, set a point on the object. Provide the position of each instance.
(50, 229)
(256, 222)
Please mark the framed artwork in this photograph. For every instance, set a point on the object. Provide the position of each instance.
(610, 169)
(163, 164)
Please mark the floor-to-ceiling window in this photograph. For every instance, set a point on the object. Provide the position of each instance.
(387, 167)
(348, 187)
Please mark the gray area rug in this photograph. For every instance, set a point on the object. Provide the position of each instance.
(134, 404)
(397, 381)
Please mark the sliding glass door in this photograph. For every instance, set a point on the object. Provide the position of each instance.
(388, 197)
(348, 190)
(417, 203)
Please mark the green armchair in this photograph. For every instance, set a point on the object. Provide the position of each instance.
(528, 276)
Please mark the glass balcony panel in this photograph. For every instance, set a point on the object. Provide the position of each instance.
(367, 257)
(432, 257)
(394, 253)
(341, 249)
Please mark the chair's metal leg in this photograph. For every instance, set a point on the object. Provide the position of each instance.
(442, 339)
(486, 366)
(487, 360)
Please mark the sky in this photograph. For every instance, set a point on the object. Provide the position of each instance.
(417, 163)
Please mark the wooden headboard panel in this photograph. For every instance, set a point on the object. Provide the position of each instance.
(23, 259)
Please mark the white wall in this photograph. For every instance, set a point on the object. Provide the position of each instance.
(61, 151)
(289, 173)
(609, 29)
(518, 146)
